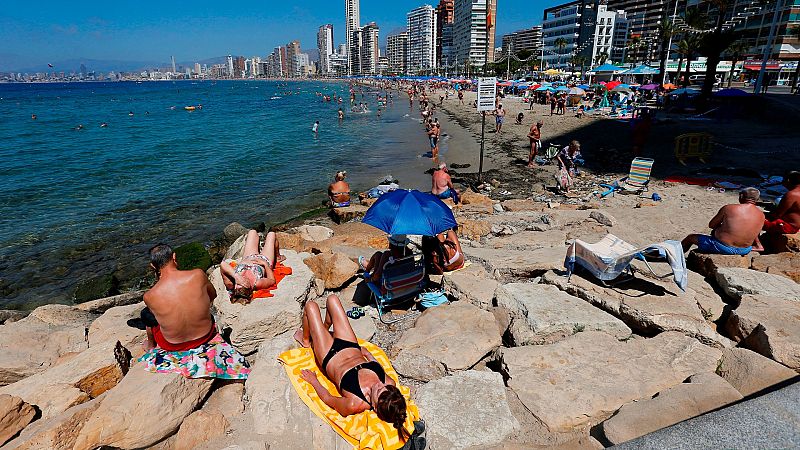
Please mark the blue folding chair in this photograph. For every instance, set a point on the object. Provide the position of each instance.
(401, 281)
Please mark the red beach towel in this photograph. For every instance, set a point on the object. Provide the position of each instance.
(280, 273)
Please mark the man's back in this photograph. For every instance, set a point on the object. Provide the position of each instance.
(740, 226)
(441, 181)
(791, 201)
(182, 305)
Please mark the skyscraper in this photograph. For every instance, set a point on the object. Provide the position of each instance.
(325, 47)
(421, 28)
(292, 50)
(364, 51)
(229, 66)
(352, 21)
(396, 48)
(643, 19)
(444, 32)
(473, 32)
(173, 65)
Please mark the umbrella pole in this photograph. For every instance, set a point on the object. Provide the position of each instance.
(483, 132)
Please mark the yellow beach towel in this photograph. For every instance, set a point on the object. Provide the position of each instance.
(364, 430)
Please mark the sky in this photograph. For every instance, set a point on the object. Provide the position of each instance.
(33, 33)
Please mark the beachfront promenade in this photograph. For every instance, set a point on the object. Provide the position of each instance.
(521, 357)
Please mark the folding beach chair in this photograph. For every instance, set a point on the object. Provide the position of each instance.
(637, 180)
(611, 257)
(401, 281)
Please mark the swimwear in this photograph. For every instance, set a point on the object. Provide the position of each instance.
(340, 204)
(779, 226)
(349, 380)
(499, 119)
(447, 193)
(710, 244)
(149, 320)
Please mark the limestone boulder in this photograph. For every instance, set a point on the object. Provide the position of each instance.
(543, 314)
(142, 409)
(603, 218)
(788, 243)
(11, 315)
(457, 336)
(83, 377)
(34, 343)
(523, 205)
(471, 284)
(711, 304)
(750, 372)
(199, 427)
(278, 416)
(703, 393)
(15, 415)
(115, 325)
(583, 379)
(234, 231)
(466, 410)
(784, 264)
(237, 248)
(102, 305)
(57, 433)
(474, 203)
(348, 213)
(707, 264)
(313, 233)
(335, 269)
(739, 282)
(518, 263)
(474, 229)
(530, 240)
(646, 305)
(227, 400)
(769, 326)
(265, 318)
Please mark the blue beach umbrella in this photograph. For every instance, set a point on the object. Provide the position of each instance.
(410, 212)
(562, 89)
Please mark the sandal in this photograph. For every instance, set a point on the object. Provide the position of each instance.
(361, 260)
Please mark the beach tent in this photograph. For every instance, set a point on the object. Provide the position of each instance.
(605, 72)
(642, 69)
(562, 89)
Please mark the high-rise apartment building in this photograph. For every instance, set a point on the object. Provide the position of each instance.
(396, 49)
(229, 65)
(421, 29)
(620, 40)
(575, 23)
(528, 39)
(444, 32)
(643, 19)
(325, 47)
(473, 32)
(238, 67)
(352, 21)
(603, 37)
(292, 50)
(365, 50)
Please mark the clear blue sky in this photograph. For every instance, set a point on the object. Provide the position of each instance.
(35, 32)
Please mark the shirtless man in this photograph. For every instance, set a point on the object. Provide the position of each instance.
(500, 117)
(442, 184)
(535, 136)
(178, 312)
(786, 218)
(434, 134)
(735, 228)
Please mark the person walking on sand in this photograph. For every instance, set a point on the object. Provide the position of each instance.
(535, 136)
(461, 97)
(734, 230)
(500, 116)
(552, 104)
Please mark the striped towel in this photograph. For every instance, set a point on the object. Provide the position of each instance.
(364, 430)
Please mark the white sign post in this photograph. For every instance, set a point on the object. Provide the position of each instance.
(487, 93)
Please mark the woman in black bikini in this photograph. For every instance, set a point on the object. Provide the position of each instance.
(361, 381)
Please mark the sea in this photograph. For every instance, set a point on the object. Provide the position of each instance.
(79, 203)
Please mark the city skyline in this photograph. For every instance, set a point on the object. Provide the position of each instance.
(45, 32)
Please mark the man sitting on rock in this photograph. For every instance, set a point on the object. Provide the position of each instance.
(735, 228)
(786, 218)
(181, 334)
(442, 184)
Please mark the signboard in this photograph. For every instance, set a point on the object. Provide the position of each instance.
(487, 92)
(698, 66)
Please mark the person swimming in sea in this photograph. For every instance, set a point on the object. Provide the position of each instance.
(103, 125)
(79, 127)
(130, 113)
(341, 114)
(33, 116)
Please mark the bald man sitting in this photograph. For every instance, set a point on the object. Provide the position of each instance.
(734, 230)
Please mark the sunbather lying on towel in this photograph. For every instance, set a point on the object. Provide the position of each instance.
(360, 380)
(254, 271)
(181, 335)
(735, 228)
(398, 248)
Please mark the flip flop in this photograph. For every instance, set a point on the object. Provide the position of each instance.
(361, 260)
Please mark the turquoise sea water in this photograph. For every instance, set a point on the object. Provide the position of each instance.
(76, 203)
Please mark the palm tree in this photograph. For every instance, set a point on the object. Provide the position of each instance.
(579, 61)
(687, 47)
(736, 51)
(666, 29)
(713, 44)
(560, 44)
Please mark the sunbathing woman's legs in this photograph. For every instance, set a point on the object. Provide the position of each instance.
(251, 243)
(335, 315)
(272, 249)
(314, 332)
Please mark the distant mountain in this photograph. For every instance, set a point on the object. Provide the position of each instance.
(313, 54)
(96, 65)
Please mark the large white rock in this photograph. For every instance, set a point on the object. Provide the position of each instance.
(646, 305)
(265, 318)
(113, 326)
(543, 314)
(32, 344)
(455, 335)
(471, 284)
(768, 325)
(59, 432)
(703, 393)
(73, 382)
(750, 372)
(518, 263)
(737, 282)
(335, 269)
(585, 378)
(102, 305)
(15, 415)
(466, 410)
(530, 240)
(278, 415)
(313, 233)
(142, 409)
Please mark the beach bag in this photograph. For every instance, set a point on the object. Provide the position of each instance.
(563, 179)
(432, 298)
